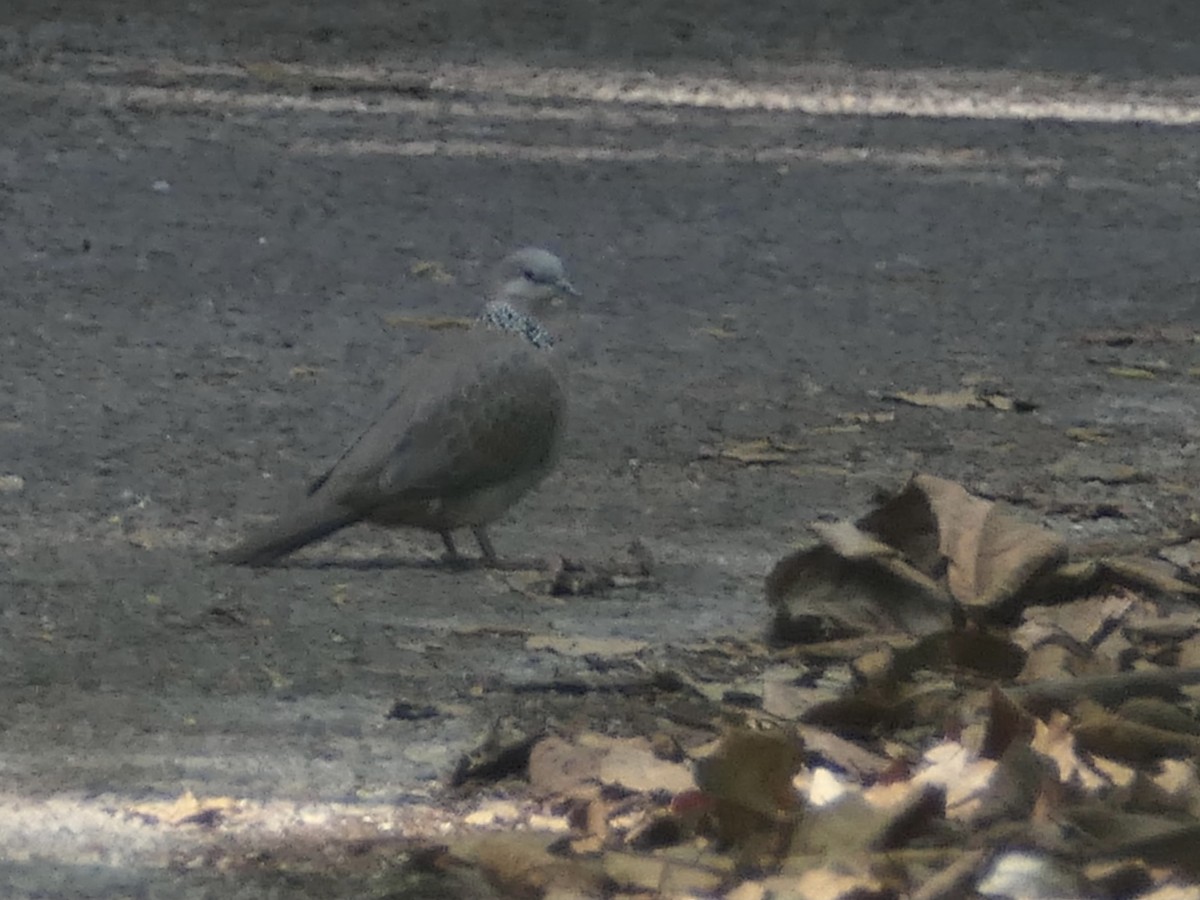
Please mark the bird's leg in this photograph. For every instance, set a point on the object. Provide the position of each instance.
(485, 546)
(451, 550)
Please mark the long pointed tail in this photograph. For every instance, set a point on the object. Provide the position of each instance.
(293, 530)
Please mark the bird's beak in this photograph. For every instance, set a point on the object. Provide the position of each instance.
(566, 288)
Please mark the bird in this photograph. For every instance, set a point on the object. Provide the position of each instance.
(475, 425)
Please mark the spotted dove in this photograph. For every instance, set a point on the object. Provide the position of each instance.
(476, 424)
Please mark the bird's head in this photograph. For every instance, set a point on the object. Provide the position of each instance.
(531, 278)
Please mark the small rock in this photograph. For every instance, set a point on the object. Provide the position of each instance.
(11, 484)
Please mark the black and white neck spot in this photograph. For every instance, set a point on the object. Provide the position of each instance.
(503, 317)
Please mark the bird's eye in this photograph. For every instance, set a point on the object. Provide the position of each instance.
(528, 273)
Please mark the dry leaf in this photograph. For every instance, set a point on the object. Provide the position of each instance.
(1185, 556)
(1055, 740)
(848, 756)
(433, 323)
(187, 809)
(867, 418)
(723, 334)
(522, 863)
(431, 269)
(1085, 622)
(1146, 575)
(631, 764)
(954, 881)
(1108, 734)
(851, 583)
(967, 398)
(1158, 839)
(960, 776)
(990, 556)
(1082, 468)
(991, 655)
(1024, 874)
(577, 768)
(1089, 435)
(762, 451)
(1007, 723)
(818, 471)
(826, 884)
(663, 875)
(1143, 334)
(749, 779)
(875, 820)
(1132, 372)
(563, 768)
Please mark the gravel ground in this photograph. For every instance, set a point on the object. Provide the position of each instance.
(776, 219)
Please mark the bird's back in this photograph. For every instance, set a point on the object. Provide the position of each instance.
(474, 413)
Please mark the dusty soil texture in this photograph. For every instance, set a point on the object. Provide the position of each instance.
(203, 248)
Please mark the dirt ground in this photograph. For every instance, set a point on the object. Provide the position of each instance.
(202, 249)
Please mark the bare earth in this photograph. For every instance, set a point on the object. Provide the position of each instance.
(205, 253)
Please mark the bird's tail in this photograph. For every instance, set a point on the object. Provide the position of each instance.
(309, 522)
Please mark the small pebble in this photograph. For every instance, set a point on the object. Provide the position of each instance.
(11, 484)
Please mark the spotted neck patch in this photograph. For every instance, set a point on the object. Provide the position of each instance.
(503, 317)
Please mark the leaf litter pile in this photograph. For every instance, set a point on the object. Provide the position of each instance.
(950, 703)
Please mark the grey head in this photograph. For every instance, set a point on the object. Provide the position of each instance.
(527, 280)
(531, 277)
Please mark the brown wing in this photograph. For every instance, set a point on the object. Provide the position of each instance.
(474, 412)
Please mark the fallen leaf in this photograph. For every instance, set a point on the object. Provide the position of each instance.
(186, 809)
(1086, 621)
(949, 400)
(957, 401)
(867, 418)
(723, 334)
(989, 556)
(1144, 334)
(826, 883)
(860, 822)
(818, 471)
(431, 269)
(836, 429)
(991, 655)
(1089, 435)
(1185, 556)
(1146, 575)
(749, 778)
(846, 755)
(1026, 874)
(761, 451)
(433, 323)
(559, 767)
(1131, 372)
(493, 812)
(523, 864)
(1055, 740)
(1007, 723)
(1108, 734)
(631, 764)
(852, 584)
(664, 875)
(1085, 469)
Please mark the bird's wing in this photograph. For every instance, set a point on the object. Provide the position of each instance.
(472, 414)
